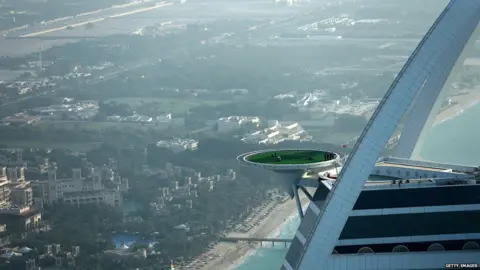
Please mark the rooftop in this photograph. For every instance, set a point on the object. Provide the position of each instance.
(18, 212)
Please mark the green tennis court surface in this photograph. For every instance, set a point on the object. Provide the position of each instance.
(291, 157)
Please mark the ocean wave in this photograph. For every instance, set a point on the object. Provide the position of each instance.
(244, 259)
(277, 232)
(284, 225)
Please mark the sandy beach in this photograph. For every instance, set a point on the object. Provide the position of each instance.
(229, 255)
(463, 100)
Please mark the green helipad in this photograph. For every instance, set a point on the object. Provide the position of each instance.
(290, 157)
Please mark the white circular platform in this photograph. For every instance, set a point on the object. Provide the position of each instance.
(243, 158)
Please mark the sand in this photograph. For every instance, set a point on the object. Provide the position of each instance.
(232, 254)
(463, 100)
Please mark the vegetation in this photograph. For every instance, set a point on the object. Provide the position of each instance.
(82, 226)
(35, 144)
(177, 106)
(347, 123)
(190, 80)
(44, 135)
(92, 227)
(290, 157)
(87, 227)
(99, 125)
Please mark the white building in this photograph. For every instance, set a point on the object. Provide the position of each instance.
(278, 133)
(77, 190)
(164, 118)
(82, 110)
(179, 145)
(108, 196)
(231, 123)
(316, 104)
(344, 101)
(349, 227)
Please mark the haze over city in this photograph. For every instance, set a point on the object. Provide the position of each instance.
(130, 130)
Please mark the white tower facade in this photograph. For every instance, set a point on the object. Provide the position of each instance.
(424, 74)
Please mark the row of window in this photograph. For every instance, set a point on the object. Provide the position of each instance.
(417, 197)
(440, 223)
(89, 200)
(85, 199)
(411, 247)
(400, 225)
(416, 174)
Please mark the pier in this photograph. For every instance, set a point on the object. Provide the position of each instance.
(256, 240)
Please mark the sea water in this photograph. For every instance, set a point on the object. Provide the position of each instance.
(454, 141)
(271, 258)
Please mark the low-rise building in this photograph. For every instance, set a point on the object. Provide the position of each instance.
(14, 174)
(232, 123)
(19, 218)
(278, 133)
(111, 197)
(4, 193)
(178, 145)
(21, 194)
(4, 236)
(82, 110)
(178, 196)
(137, 118)
(78, 190)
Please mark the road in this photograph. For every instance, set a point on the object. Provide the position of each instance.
(101, 17)
(88, 13)
(113, 21)
(82, 20)
(89, 17)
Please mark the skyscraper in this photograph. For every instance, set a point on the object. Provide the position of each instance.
(416, 89)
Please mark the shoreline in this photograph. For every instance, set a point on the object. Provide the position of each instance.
(230, 255)
(465, 100)
(272, 226)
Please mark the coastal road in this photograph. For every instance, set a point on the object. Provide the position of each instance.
(109, 73)
(78, 16)
(112, 14)
(113, 21)
(95, 18)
